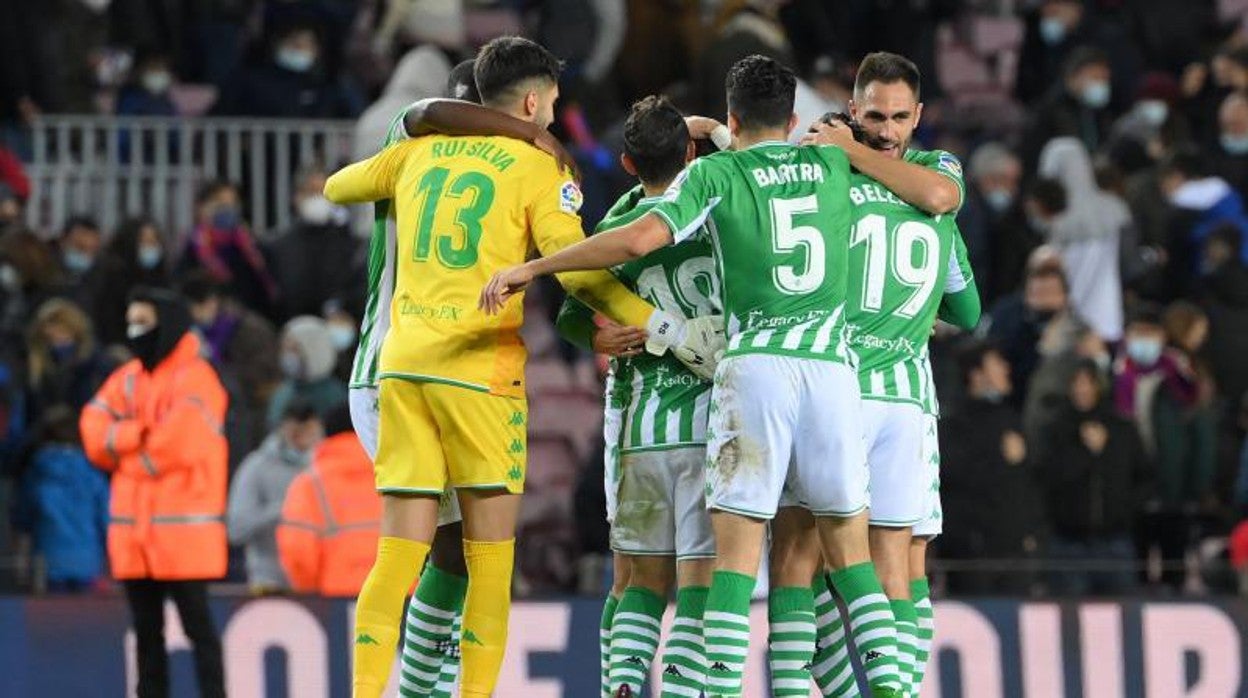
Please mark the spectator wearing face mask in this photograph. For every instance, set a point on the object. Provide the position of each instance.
(64, 365)
(993, 221)
(1230, 157)
(983, 450)
(243, 347)
(223, 245)
(1152, 121)
(1017, 322)
(290, 83)
(313, 261)
(147, 92)
(156, 427)
(1077, 106)
(1186, 429)
(79, 247)
(259, 489)
(343, 330)
(307, 361)
(1091, 467)
(136, 256)
(1050, 33)
(1146, 368)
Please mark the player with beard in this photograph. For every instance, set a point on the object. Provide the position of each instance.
(896, 300)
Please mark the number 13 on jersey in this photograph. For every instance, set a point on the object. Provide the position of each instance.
(472, 194)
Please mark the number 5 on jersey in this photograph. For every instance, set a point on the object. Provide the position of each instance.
(787, 238)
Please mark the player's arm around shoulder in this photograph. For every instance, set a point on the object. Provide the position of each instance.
(932, 189)
(371, 179)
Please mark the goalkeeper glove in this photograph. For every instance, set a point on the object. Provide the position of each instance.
(698, 343)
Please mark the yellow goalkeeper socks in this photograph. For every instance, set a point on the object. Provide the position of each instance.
(486, 608)
(380, 610)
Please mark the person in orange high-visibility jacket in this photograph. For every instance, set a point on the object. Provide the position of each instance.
(156, 426)
(327, 537)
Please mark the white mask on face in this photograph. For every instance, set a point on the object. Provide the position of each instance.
(10, 280)
(1095, 95)
(1052, 30)
(156, 81)
(1153, 111)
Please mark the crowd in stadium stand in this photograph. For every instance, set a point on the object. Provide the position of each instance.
(1093, 429)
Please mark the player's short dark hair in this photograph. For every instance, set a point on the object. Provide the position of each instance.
(461, 84)
(887, 68)
(1049, 193)
(760, 92)
(199, 286)
(656, 139)
(971, 355)
(1082, 57)
(507, 61)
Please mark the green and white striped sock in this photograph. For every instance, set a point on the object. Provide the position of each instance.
(684, 652)
(431, 613)
(635, 637)
(921, 594)
(832, 669)
(604, 642)
(907, 641)
(871, 624)
(791, 640)
(450, 663)
(726, 627)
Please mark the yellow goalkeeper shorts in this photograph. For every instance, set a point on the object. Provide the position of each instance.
(434, 435)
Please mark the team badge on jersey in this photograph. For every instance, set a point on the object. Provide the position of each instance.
(570, 197)
(949, 163)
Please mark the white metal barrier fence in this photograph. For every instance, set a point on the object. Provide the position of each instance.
(114, 167)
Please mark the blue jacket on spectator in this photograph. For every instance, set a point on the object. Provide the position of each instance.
(63, 504)
(1211, 202)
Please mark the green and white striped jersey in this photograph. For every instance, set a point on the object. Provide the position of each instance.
(664, 406)
(778, 219)
(382, 245)
(903, 261)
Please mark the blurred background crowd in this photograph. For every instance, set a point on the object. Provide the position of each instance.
(1093, 428)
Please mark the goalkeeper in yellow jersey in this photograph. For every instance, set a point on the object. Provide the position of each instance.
(452, 397)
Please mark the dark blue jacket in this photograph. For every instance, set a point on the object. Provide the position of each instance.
(63, 504)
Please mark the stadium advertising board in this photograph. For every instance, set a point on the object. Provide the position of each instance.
(300, 648)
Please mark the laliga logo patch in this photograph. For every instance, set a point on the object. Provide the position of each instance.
(949, 163)
(570, 197)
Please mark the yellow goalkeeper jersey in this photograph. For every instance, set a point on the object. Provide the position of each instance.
(467, 207)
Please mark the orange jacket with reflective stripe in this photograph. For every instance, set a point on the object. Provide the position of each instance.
(327, 537)
(160, 435)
